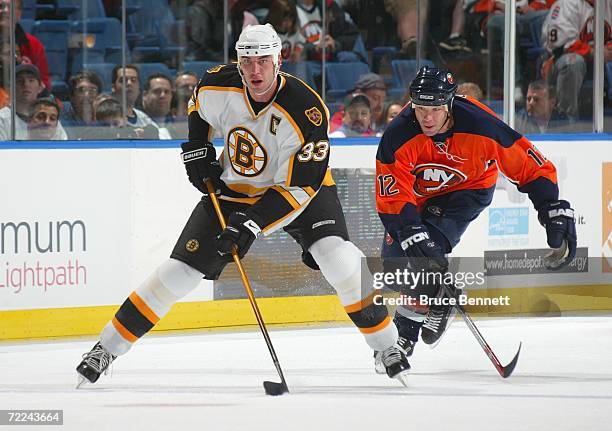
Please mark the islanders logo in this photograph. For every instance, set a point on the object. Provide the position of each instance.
(433, 178)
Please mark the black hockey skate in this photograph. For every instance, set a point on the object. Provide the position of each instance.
(403, 343)
(438, 318)
(395, 363)
(94, 363)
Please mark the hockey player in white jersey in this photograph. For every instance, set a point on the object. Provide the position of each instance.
(273, 173)
(568, 35)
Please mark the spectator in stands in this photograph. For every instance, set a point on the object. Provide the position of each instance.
(184, 84)
(356, 120)
(540, 114)
(129, 78)
(205, 27)
(373, 86)
(392, 109)
(283, 17)
(490, 16)
(456, 41)
(340, 36)
(31, 50)
(43, 122)
(28, 87)
(84, 87)
(111, 124)
(156, 101)
(408, 17)
(568, 37)
(470, 89)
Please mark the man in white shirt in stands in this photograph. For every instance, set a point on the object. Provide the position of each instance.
(28, 86)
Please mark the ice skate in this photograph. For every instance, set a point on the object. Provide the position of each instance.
(94, 363)
(437, 320)
(405, 344)
(395, 363)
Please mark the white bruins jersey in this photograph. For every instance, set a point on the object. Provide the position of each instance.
(569, 27)
(275, 160)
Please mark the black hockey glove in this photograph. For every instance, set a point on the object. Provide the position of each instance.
(240, 232)
(423, 253)
(201, 164)
(558, 219)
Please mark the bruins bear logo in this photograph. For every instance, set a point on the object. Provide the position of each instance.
(247, 156)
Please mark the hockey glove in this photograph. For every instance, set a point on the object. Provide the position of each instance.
(201, 164)
(240, 232)
(423, 253)
(558, 219)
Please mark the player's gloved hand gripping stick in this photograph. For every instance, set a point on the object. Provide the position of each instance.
(558, 219)
(271, 388)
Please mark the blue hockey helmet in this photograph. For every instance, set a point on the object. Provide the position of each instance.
(433, 87)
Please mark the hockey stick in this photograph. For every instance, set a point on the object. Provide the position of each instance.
(271, 388)
(503, 371)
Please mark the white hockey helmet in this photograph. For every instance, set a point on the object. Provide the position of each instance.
(259, 40)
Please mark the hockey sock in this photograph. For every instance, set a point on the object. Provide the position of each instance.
(148, 304)
(340, 263)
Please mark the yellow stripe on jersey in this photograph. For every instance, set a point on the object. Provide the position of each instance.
(280, 220)
(288, 197)
(246, 189)
(328, 180)
(292, 121)
(248, 201)
(290, 172)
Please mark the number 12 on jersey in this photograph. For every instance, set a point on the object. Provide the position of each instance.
(385, 185)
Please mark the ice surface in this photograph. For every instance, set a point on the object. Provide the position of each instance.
(213, 381)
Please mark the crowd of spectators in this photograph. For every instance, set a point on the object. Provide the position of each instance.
(455, 33)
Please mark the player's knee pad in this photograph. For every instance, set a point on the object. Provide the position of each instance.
(340, 263)
(178, 277)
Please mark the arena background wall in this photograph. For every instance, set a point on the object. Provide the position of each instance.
(82, 223)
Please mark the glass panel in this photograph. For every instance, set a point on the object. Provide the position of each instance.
(32, 79)
(567, 67)
(608, 68)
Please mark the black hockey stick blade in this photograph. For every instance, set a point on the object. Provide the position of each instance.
(275, 389)
(508, 369)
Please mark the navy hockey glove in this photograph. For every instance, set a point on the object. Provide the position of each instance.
(201, 164)
(240, 232)
(423, 253)
(558, 219)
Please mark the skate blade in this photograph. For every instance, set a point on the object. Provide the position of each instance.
(81, 381)
(403, 377)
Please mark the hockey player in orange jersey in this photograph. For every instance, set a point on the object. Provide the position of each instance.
(436, 169)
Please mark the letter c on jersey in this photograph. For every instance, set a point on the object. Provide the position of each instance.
(247, 156)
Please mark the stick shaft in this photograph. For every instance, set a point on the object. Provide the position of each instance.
(247, 285)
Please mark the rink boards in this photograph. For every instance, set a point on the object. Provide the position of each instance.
(82, 225)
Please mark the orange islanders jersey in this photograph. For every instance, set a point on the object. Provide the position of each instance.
(412, 167)
(275, 154)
